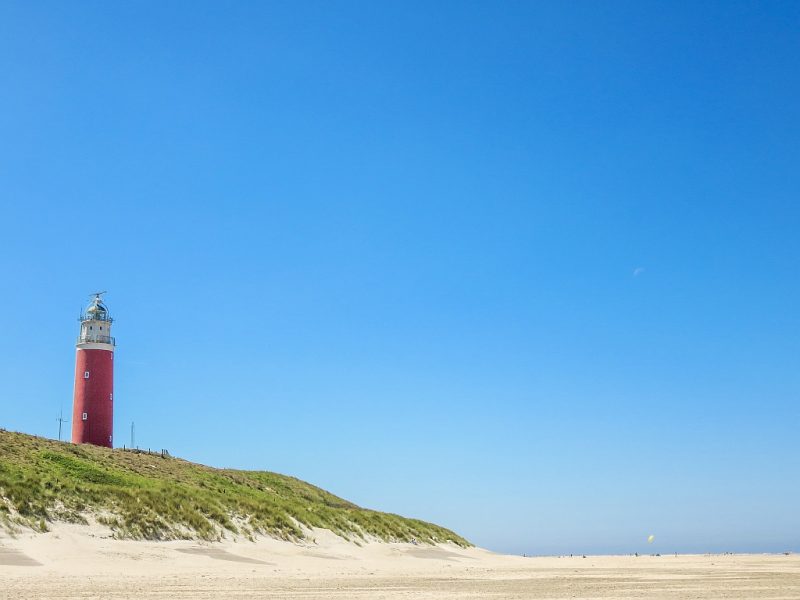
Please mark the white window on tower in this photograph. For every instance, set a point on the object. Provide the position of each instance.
(111, 397)
(109, 439)
(86, 374)
(85, 416)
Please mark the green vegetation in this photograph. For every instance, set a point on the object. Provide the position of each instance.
(143, 496)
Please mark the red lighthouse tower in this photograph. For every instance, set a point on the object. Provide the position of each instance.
(93, 402)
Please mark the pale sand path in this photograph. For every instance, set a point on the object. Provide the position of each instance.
(79, 562)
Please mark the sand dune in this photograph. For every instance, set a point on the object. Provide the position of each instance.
(81, 562)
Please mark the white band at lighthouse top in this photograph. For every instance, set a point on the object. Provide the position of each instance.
(95, 346)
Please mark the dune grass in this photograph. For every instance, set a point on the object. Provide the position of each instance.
(143, 496)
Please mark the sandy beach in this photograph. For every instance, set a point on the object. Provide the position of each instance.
(80, 562)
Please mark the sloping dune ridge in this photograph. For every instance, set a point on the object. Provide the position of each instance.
(153, 496)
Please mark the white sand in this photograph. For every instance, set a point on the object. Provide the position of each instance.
(84, 562)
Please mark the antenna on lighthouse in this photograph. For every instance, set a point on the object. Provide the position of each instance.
(97, 295)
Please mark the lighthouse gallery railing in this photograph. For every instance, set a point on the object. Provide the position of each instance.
(97, 339)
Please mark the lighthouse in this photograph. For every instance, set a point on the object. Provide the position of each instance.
(93, 400)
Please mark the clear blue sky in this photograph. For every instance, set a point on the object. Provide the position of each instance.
(528, 270)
